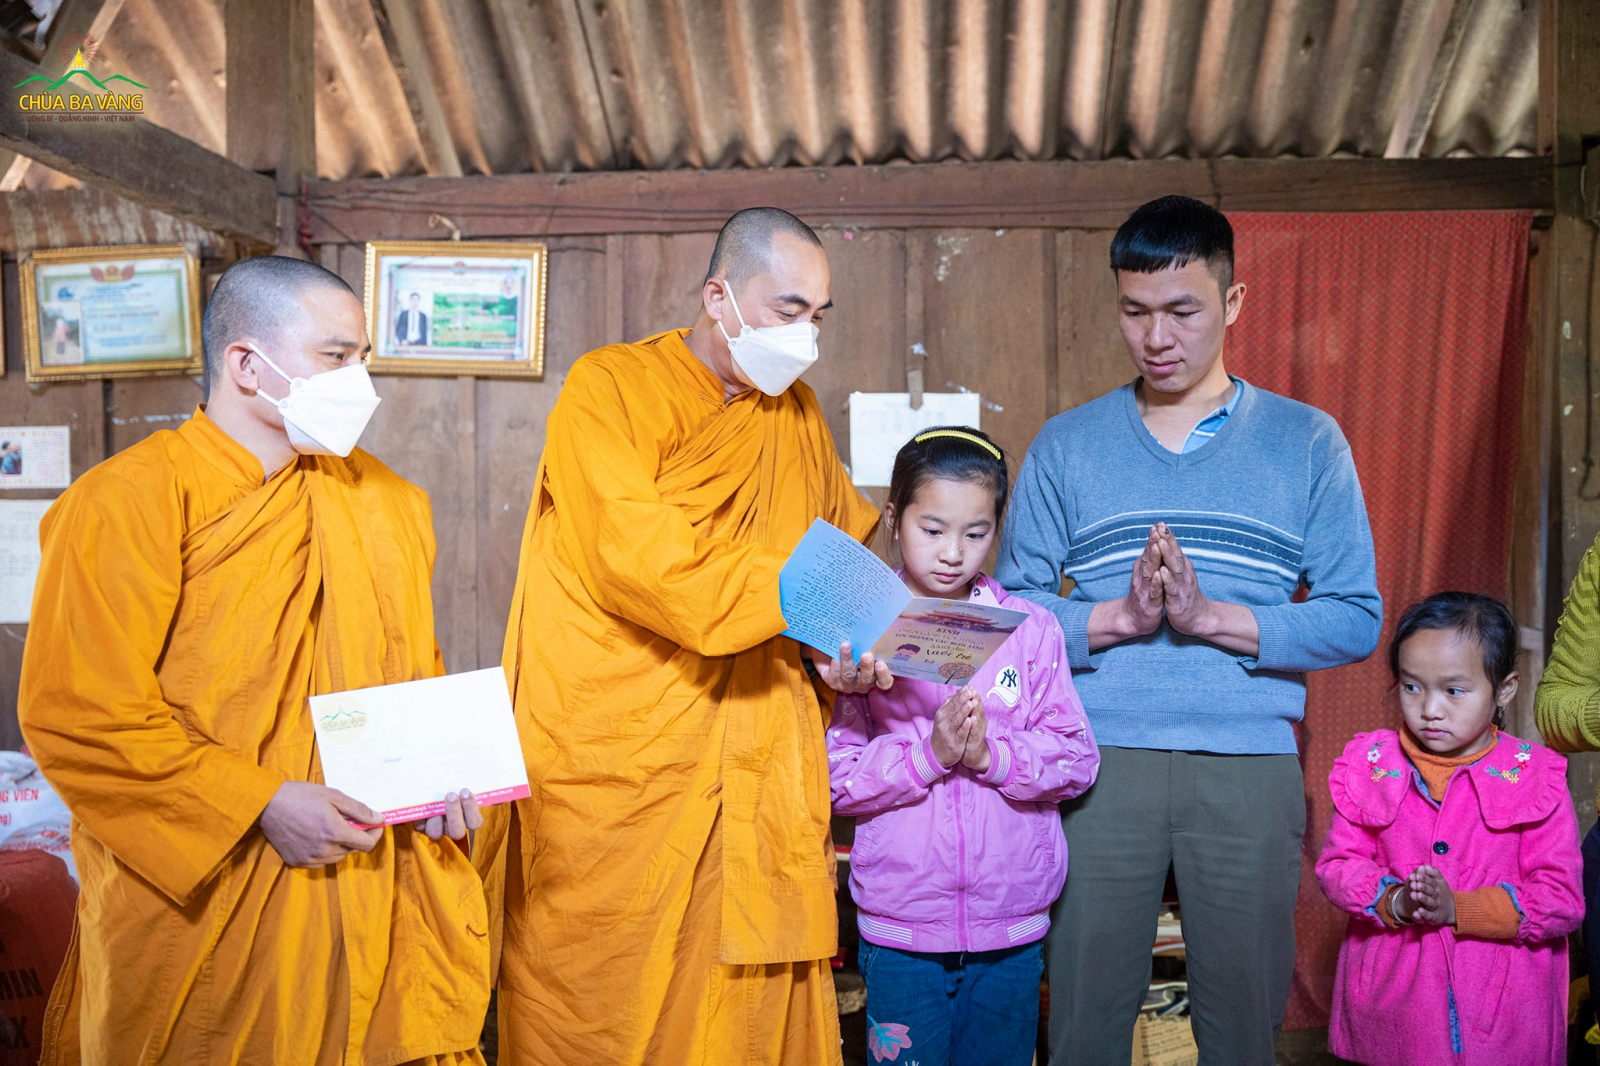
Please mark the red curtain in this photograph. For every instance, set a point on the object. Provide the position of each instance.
(1409, 330)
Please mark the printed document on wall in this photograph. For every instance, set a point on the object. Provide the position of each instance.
(19, 556)
(35, 457)
(881, 423)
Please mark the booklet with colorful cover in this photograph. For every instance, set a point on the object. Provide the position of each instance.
(833, 589)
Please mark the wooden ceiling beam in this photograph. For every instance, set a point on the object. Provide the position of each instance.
(76, 22)
(145, 163)
(1066, 195)
(271, 75)
(79, 21)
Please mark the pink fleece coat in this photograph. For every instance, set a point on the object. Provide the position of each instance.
(1420, 993)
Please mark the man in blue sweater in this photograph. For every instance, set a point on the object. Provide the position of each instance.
(1187, 508)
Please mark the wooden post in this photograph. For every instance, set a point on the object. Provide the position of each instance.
(271, 104)
(1569, 113)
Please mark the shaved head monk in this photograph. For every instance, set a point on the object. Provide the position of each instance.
(195, 589)
(669, 886)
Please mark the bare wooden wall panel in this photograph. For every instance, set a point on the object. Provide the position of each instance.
(661, 281)
(1090, 357)
(511, 424)
(138, 407)
(985, 323)
(863, 340)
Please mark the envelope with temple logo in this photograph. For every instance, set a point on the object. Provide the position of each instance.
(400, 749)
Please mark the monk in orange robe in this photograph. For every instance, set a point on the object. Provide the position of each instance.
(195, 589)
(668, 889)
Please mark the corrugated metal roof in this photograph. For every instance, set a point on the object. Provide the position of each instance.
(560, 85)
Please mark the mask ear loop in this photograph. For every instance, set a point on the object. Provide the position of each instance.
(727, 288)
(274, 368)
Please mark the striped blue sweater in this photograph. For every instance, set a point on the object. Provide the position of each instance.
(1270, 504)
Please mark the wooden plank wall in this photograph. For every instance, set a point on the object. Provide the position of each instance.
(1026, 297)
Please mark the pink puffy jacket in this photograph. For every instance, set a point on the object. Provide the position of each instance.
(948, 859)
(1420, 993)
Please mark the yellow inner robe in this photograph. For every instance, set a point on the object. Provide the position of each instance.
(184, 612)
(669, 887)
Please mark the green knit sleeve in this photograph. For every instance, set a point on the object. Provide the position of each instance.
(1567, 705)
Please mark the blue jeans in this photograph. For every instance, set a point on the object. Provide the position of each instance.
(952, 1008)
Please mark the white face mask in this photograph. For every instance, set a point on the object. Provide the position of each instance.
(773, 357)
(325, 413)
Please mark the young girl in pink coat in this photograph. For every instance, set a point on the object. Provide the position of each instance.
(959, 852)
(1454, 848)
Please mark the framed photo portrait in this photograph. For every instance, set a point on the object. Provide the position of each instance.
(110, 312)
(457, 307)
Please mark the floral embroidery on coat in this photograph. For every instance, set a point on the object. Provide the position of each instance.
(1373, 755)
(1524, 753)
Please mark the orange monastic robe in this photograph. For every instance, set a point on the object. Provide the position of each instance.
(669, 886)
(184, 612)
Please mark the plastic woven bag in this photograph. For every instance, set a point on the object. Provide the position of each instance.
(32, 815)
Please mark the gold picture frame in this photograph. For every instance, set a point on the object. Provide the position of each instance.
(66, 290)
(457, 308)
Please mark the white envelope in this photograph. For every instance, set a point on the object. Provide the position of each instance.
(400, 749)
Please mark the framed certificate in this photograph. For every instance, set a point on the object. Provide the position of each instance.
(457, 308)
(111, 312)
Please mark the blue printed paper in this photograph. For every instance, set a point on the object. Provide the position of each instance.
(833, 589)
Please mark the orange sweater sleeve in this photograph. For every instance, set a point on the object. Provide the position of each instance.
(639, 556)
(1487, 912)
(169, 806)
(1385, 907)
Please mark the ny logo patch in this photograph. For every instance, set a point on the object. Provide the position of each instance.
(1008, 686)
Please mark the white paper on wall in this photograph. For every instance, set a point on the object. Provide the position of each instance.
(19, 556)
(882, 422)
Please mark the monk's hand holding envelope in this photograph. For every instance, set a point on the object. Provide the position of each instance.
(407, 749)
(460, 814)
(310, 825)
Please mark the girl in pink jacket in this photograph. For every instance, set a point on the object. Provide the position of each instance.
(1454, 849)
(958, 853)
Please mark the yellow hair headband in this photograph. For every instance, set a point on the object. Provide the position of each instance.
(959, 435)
